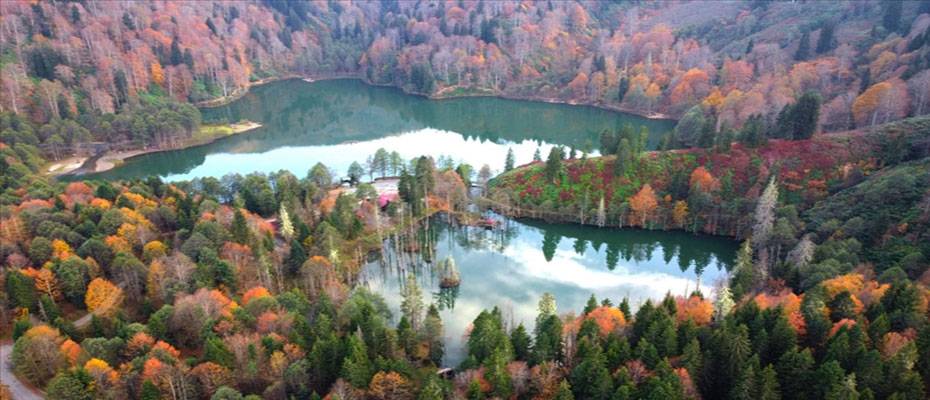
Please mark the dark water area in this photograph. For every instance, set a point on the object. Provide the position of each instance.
(337, 122)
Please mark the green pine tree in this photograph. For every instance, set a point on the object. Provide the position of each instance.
(215, 350)
(474, 391)
(20, 290)
(432, 390)
(149, 391)
(521, 342)
(497, 374)
(625, 308)
(795, 375)
(805, 113)
(707, 134)
(509, 163)
(356, 368)
(590, 378)
(743, 271)
(553, 164)
(891, 19)
(591, 305)
(296, 258)
(825, 41)
(767, 384)
(240, 229)
(564, 392)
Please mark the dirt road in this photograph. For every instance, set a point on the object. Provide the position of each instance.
(18, 389)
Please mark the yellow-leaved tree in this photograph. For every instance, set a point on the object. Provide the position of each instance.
(680, 213)
(103, 297)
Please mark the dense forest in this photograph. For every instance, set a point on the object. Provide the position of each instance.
(867, 61)
(802, 132)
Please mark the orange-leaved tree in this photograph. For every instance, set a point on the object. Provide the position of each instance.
(103, 297)
(390, 385)
(701, 179)
(254, 293)
(643, 203)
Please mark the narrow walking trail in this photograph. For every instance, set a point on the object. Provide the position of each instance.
(18, 389)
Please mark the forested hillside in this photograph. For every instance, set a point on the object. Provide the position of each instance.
(802, 131)
(867, 61)
(829, 225)
(148, 290)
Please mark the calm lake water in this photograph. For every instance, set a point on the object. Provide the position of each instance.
(337, 122)
(341, 121)
(513, 267)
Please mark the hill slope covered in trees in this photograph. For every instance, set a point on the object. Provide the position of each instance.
(866, 60)
(245, 287)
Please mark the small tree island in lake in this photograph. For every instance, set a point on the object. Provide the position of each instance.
(448, 273)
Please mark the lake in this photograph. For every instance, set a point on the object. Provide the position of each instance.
(340, 121)
(512, 268)
(337, 122)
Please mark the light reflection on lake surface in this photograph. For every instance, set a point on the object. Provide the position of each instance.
(341, 121)
(513, 269)
(338, 122)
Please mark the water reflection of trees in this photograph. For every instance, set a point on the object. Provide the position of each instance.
(294, 113)
(474, 238)
(445, 298)
(442, 237)
(689, 251)
(636, 246)
(350, 109)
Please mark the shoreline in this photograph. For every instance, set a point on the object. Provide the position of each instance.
(65, 165)
(222, 101)
(76, 166)
(240, 92)
(657, 116)
(112, 159)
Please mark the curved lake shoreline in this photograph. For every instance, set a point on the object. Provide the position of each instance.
(224, 101)
(339, 121)
(344, 120)
(112, 159)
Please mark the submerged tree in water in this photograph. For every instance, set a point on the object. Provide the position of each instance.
(448, 273)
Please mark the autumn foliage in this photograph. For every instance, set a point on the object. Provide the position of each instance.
(103, 297)
(254, 293)
(644, 203)
(694, 308)
(608, 319)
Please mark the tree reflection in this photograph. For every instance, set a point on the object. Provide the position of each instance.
(550, 242)
(580, 246)
(613, 256)
(637, 246)
(445, 298)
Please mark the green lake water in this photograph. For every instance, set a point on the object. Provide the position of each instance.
(337, 122)
(341, 121)
(511, 268)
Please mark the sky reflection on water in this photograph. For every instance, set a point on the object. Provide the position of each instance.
(513, 271)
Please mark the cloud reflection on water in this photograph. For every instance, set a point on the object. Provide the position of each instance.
(516, 276)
